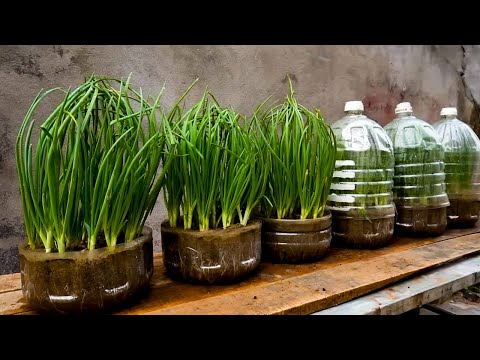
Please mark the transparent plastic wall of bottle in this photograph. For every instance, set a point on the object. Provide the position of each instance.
(362, 181)
(364, 168)
(419, 178)
(462, 167)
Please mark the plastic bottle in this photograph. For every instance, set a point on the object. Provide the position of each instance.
(361, 200)
(462, 168)
(419, 178)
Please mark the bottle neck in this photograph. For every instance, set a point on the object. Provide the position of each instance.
(404, 114)
(353, 112)
(447, 117)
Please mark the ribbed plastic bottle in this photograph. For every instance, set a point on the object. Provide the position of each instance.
(462, 168)
(361, 199)
(419, 179)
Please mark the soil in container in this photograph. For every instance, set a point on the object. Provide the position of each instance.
(370, 228)
(100, 280)
(462, 213)
(296, 240)
(216, 256)
(421, 220)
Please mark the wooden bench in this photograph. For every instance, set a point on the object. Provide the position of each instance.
(423, 289)
(345, 275)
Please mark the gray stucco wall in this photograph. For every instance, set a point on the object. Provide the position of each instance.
(429, 76)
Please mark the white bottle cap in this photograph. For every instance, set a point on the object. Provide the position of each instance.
(353, 106)
(450, 111)
(403, 107)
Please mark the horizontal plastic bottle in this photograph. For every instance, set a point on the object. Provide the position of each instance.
(462, 168)
(361, 200)
(419, 178)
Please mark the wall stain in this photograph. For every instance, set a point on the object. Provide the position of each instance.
(8, 230)
(9, 54)
(28, 65)
(5, 144)
(9, 261)
(58, 50)
(201, 61)
(81, 58)
(60, 70)
(381, 99)
(475, 118)
(292, 77)
(380, 102)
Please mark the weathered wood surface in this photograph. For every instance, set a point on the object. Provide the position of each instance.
(412, 293)
(9, 282)
(343, 275)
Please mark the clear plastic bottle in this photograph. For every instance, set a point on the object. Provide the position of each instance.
(462, 168)
(419, 179)
(361, 200)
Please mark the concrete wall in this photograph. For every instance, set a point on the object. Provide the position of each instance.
(429, 76)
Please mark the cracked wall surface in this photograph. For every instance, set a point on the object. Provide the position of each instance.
(324, 77)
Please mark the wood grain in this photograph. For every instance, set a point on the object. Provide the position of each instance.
(305, 294)
(412, 293)
(10, 282)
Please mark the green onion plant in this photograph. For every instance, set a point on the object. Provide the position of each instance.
(302, 150)
(91, 179)
(216, 175)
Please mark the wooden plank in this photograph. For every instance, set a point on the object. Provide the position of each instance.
(413, 293)
(167, 293)
(12, 303)
(10, 282)
(324, 288)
